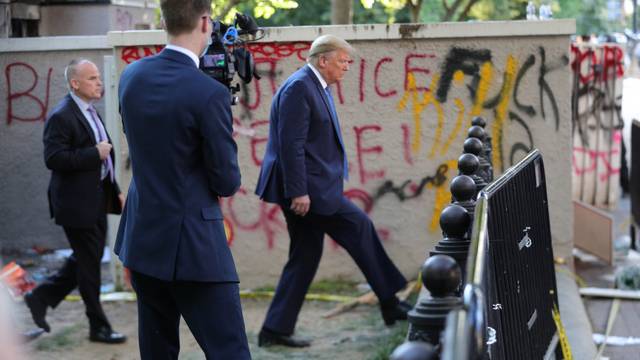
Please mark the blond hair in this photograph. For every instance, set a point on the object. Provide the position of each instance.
(325, 44)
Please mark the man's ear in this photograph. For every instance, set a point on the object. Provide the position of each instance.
(322, 61)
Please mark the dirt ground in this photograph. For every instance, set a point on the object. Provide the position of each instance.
(358, 334)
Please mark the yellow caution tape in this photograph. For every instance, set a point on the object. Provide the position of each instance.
(245, 294)
(250, 294)
(562, 335)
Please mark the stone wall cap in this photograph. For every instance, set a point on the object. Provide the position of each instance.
(484, 29)
(54, 43)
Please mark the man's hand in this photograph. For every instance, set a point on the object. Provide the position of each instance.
(300, 205)
(121, 198)
(127, 277)
(104, 148)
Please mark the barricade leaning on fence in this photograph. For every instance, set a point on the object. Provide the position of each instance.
(508, 305)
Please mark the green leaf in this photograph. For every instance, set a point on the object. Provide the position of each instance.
(284, 4)
(367, 4)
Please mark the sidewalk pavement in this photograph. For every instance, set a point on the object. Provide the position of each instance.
(574, 316)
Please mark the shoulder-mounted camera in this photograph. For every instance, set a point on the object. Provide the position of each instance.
(227, 55)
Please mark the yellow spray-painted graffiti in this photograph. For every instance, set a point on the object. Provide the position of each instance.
(418, 107)
(443, 196)
(417, 100)
(486, 76)
(501, 110)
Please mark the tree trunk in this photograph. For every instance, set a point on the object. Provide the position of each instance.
(341, 12)
(414, 9)
(451, 10)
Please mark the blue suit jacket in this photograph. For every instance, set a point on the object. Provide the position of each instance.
(304, 155)
(178, 126)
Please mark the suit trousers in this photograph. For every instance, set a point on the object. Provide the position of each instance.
(211, 310)
(352, 229)
(81, 269)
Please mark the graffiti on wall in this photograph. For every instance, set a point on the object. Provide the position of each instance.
(432, 101)
(28, 92)
(597, 73)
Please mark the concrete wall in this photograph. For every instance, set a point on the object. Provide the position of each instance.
(404, 109)
(597, 72)
(31, 84)
(73, 19)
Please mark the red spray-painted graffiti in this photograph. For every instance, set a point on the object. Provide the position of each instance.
(269, 220)
(361, 150)
(589, 66)
(595, 157)
(133, 53)
(22, 71)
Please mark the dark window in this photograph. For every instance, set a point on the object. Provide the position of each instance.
(24, 28)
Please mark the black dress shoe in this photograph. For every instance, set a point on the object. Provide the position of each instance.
(38, 309)
(107, 336)
(268, 338)
(396, 310)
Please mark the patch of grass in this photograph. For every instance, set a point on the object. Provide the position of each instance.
(337, 286)
(60, 340)
(265, 288)
(383, 348)
(398, 334)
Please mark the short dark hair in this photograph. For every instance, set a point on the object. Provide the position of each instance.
(181, 16)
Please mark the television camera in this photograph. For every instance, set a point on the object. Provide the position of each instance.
(227, 55)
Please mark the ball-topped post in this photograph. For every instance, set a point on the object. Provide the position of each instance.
(476, 132)
(441, 276)
(468, 164)
(455, 223)
(474, 144)
(414, 350)
(488, 147)
(478, 121)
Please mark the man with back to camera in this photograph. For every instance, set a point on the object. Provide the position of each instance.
(81, 192)
(178, 126)
(303, 170)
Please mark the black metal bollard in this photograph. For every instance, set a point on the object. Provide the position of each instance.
(463, 191)
(473, 145)
(468, 164)
(487, 142)
(478, 121)
(414, 350)
(454, 222)
(441, 276)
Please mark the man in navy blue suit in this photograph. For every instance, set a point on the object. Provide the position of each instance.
(171, 236)
(303, 170)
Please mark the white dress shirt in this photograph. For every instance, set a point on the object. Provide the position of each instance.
(84, 106)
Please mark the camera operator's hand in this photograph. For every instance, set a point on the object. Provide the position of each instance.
(301, 204)
(104, 148)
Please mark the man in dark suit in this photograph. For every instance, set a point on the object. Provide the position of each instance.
(82, 191)
(179, 129)
(303, 170)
